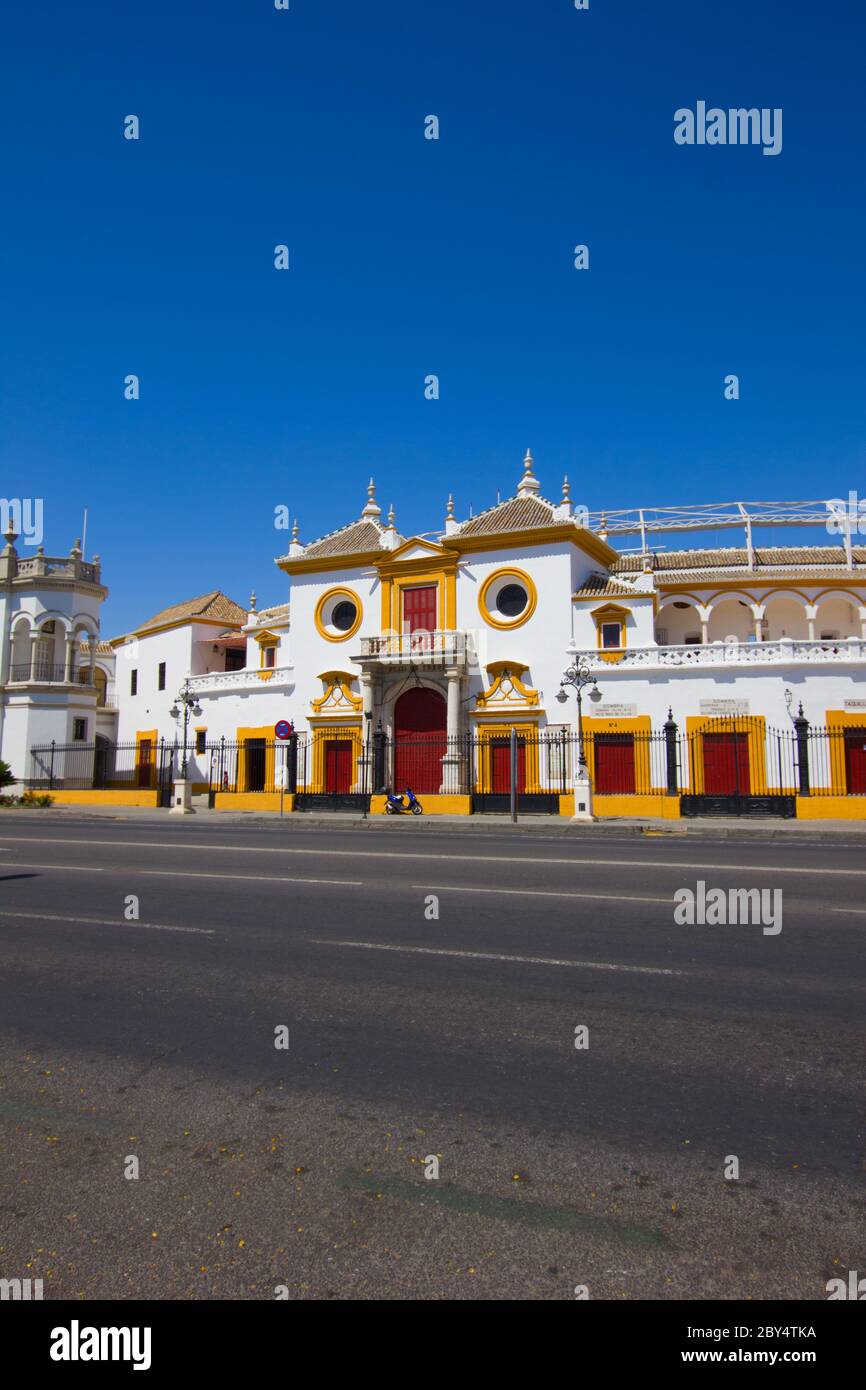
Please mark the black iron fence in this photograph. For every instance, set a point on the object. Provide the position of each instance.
(146, 765)
(714, 765)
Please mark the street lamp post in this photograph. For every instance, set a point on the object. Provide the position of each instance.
(579, 677)
(185, 704)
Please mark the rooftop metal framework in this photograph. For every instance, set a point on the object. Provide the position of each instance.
(839, 516)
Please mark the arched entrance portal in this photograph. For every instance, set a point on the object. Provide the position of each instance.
(420, 725)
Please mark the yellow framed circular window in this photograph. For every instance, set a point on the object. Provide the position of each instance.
(338, 615)
(508, 598)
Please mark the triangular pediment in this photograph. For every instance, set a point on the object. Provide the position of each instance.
(416, 548)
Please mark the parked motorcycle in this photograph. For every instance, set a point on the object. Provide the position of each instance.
(395, 805)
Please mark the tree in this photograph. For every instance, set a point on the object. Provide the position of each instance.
(6, 775)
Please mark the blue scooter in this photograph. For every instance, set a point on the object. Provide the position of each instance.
(395, 805)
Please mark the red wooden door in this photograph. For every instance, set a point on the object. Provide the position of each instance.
(500, 766)
(420, 723)
(855, 761)
(614, 764)
(419, 609)
(338, 765)
(726, 764)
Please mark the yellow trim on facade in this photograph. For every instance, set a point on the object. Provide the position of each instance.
(510, 672)
(639, 725)
(349, 730)
(105, 797)
(329, 594)
(831, 807)
(753, 726)
(838, 720)
(340, 681)
(580, 537)
(494, 620)
(144, 736)
(610, 613)
(487, 732)
(262, 731)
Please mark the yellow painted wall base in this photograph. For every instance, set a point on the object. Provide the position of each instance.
(141, 797)
(658, 807)
(253, 801)
(831, 807)
(433, 805)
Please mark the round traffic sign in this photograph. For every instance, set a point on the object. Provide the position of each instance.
(283, 729)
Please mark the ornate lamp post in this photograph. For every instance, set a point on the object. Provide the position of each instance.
(189, 701)
(579, 677)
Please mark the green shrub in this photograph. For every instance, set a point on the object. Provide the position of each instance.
(36, 799)
(6, 775)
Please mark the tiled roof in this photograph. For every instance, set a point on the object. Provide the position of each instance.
(773, 557)
(514, 514)
(278, 610)
(600, 586)
(355, 539)
(215, 605)
(102, 648)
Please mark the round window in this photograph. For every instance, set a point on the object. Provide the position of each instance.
(511, 600)
(344, 615)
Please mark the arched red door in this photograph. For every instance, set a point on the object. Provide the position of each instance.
(420, 725)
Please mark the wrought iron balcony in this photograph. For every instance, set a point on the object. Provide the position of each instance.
(415, 649)
(47, 674)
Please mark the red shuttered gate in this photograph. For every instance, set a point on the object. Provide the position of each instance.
(614, 764)
(855, 761)
(726, 764)
(338, 765)
(500, 766)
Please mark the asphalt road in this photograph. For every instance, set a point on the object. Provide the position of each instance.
(410, 1035)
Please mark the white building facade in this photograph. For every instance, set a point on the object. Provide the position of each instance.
(436, 662)
(56, 677)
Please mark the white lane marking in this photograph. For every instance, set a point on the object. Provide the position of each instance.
(540, 893)
(859, 910)
(72, 868)
(251, 878)
(489, 955)
(105, 922)
(692, 866)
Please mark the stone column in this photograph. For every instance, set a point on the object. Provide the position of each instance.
(811, 615)
(452, 763)
(34, 654)
(759, 612)
(364, 768)
(70, 656)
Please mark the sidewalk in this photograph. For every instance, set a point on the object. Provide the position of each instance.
(705, 827)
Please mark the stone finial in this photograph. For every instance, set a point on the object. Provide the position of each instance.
(529, 484)
(76, 549)
(602, 529)
(295, 547)
(449, 508)
(563, 510)
(372, 510)
(391, 526)
(252, 600)
(10, 536)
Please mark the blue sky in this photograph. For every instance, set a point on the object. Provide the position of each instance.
(408, 257)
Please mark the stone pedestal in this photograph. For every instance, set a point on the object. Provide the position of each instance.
(582, 797)
(181, 798)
